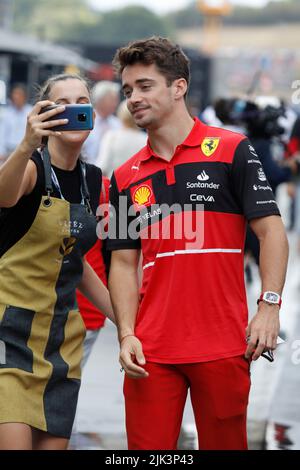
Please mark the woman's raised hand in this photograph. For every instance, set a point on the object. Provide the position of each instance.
(39, 126)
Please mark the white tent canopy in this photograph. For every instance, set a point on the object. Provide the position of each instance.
(44, 52)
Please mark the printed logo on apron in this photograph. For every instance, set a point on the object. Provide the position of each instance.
(67, 246)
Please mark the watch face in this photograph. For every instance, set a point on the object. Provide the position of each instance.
(271, 297)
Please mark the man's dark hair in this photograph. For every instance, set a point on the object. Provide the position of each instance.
(168, 57)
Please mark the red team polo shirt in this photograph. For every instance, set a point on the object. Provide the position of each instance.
(193, 304)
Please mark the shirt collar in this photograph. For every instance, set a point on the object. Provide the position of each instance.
(192, 140)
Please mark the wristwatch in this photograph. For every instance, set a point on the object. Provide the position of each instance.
(271, 298)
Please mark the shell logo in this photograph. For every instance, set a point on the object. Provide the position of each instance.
(142, 195)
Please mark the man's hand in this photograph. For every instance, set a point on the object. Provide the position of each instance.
(262, 331)
(131, 354)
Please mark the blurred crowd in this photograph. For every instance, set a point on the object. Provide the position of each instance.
(274, 131)
(271, 125)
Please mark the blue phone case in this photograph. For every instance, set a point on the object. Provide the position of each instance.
(80, 117)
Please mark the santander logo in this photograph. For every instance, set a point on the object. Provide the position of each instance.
(203, 176)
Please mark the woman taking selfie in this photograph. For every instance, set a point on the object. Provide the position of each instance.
(48, 200)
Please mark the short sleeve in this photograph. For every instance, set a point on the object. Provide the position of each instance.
(120, 220)
(250, 185)
(40, 181)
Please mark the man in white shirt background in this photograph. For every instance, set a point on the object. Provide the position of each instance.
(118, 145)
(105, 99)
(13, 121)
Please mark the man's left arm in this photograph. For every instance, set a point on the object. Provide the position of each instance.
(263, 329)
(95, 291)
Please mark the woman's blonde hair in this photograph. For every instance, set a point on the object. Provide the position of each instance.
(45, 90)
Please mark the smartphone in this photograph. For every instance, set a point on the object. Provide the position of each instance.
(80, 117)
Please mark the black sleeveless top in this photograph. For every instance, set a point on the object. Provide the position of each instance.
(17, 220)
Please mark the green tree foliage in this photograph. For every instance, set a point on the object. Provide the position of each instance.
(286, 11)
(131, 23)
(53, 19)
(189, 17)
(22, 11)
(75, 20)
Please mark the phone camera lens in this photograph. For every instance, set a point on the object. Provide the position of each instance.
(82, 117)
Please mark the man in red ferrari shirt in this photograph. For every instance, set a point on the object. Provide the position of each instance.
(187, 327)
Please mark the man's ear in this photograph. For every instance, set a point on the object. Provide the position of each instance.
(180, 88)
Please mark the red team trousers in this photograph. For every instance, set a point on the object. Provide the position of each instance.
(219, 394)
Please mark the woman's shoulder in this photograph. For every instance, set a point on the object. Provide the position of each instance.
(93, 172)
(36, 157)
(93, 175)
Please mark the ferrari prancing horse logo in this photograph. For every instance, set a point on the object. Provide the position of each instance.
(210, 145)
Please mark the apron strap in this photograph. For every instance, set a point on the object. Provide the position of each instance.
(84, 186)
(49, 183)
(47, 169)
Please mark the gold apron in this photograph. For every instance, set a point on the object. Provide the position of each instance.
(41, 329)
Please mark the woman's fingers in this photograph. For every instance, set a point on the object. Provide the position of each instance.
(44, 116)
(57, 122)
(39, 113)
(37, 108)
(47, 133)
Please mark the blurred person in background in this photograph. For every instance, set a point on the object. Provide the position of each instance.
(265, 132)
(293, 155)
(13, 121)
(120, 144)
(262, 125)
(98, 257)
(223, 115)
(105, 99)
(48, 200)
(209, 116)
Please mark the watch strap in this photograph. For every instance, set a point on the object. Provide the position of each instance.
(261, 299)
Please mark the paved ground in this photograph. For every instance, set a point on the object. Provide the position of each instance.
(274, 411)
